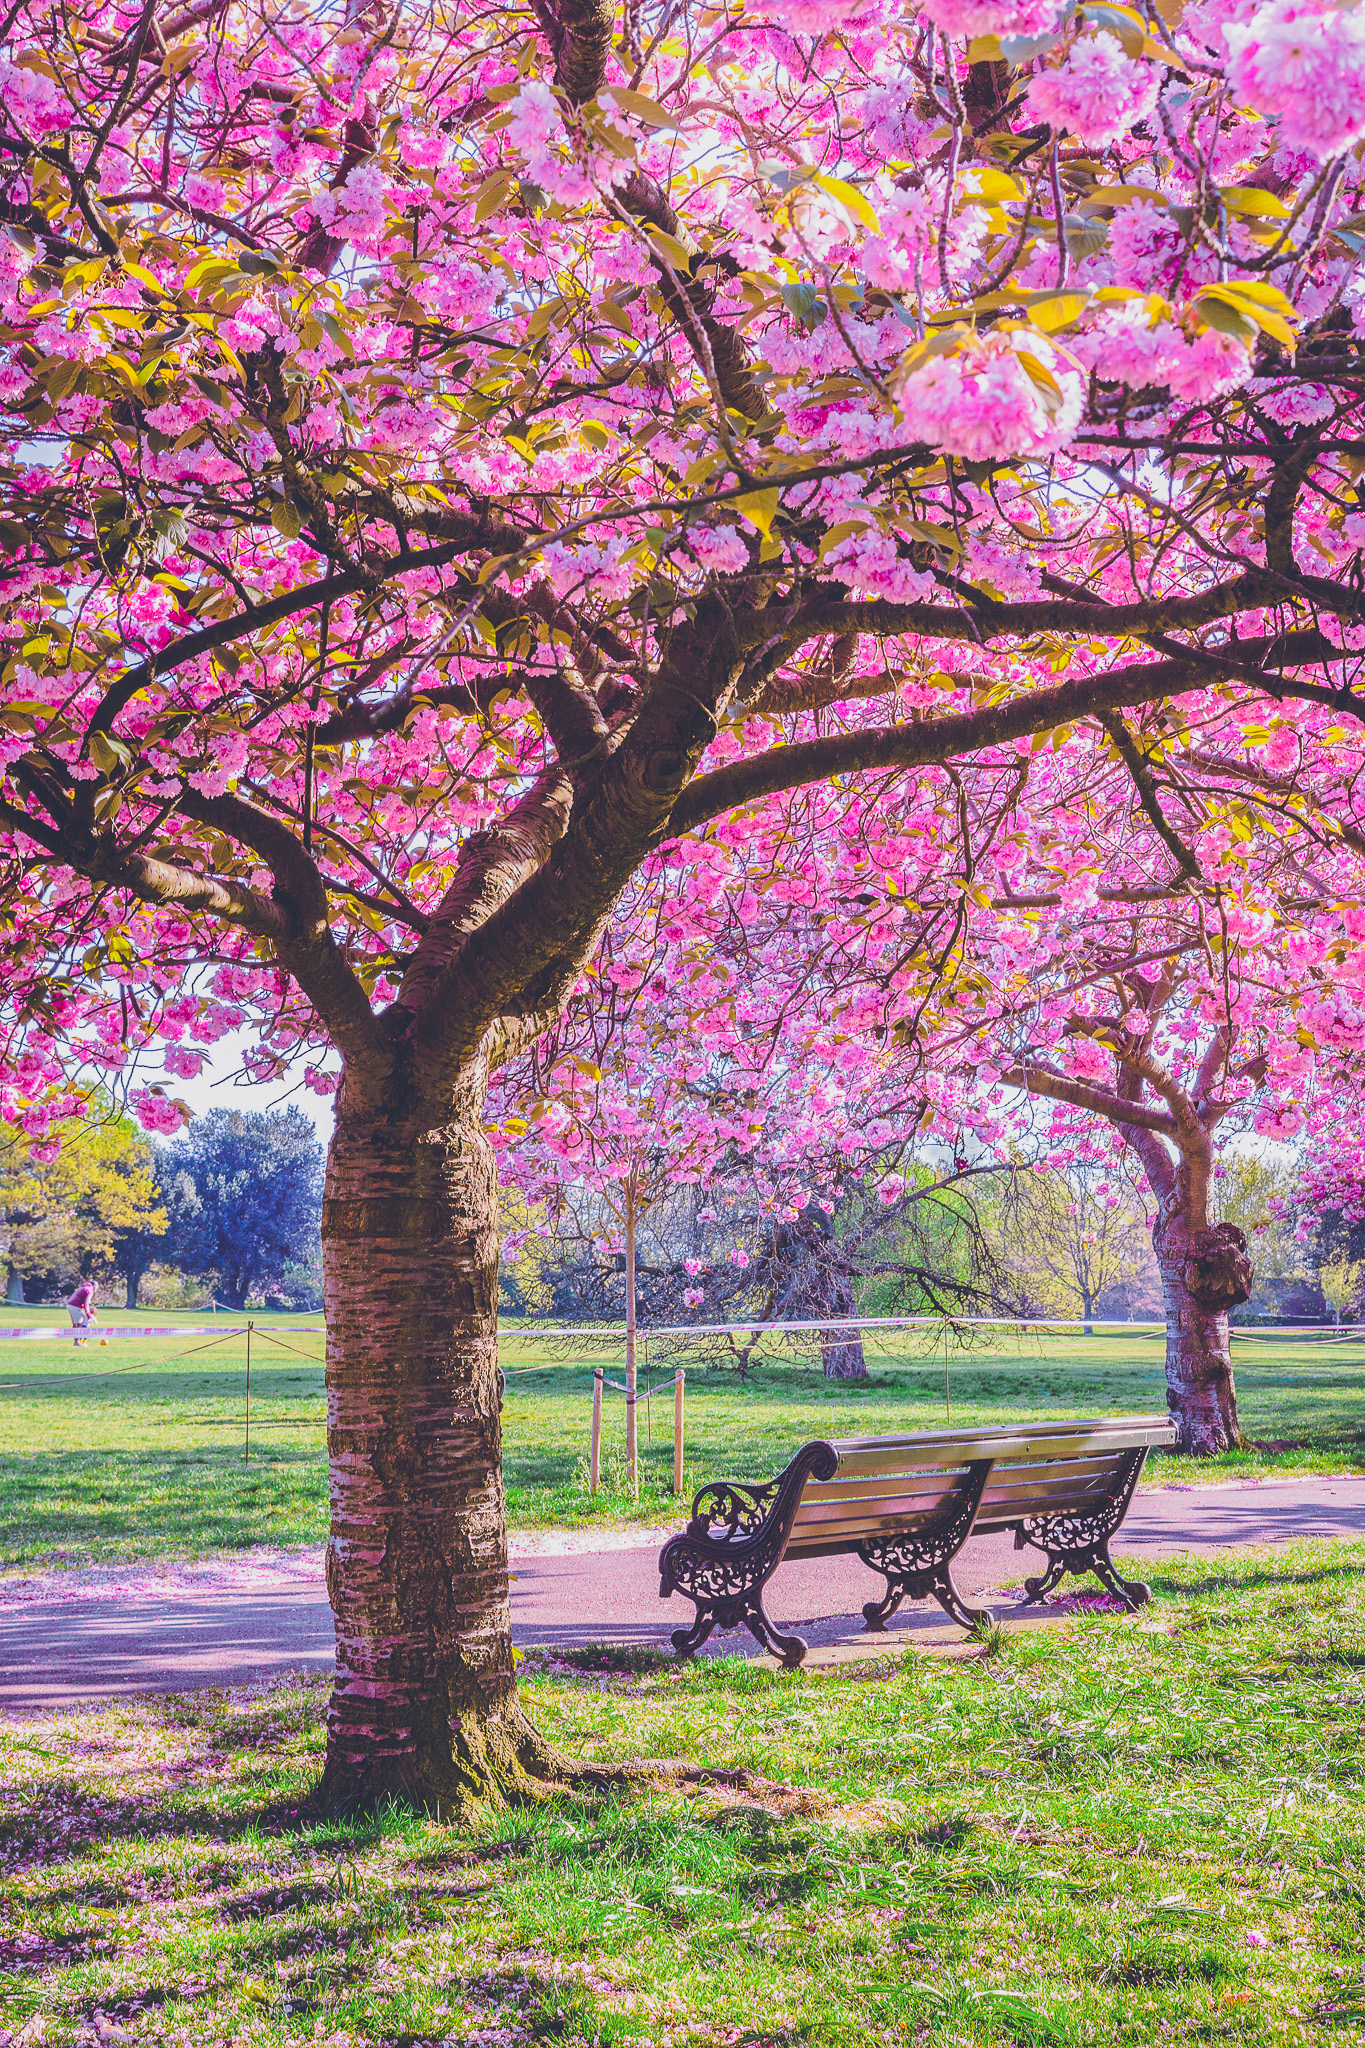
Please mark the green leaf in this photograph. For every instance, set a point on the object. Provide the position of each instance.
(850, 198)
(760, 509)
(1254, 199)
(671, 250)
(1211, 311)
(492, 193)
(1053, 310)
(109, 755)
(642, 108)
(1260, 304)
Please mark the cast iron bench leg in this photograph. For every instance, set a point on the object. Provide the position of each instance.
(1079, 1543)
(724, 1575)
(921, 1564)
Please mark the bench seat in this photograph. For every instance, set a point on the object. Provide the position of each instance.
(906, 1505)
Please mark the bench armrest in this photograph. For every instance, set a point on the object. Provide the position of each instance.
(738, 1530)
(727, 1509)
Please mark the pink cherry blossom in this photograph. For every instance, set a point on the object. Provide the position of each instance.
(1096, 93)
(1009, 393)
(992, 17)
(1302, 63)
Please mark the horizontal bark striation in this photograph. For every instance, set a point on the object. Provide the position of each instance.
(1200, 1389)
(423, 1706)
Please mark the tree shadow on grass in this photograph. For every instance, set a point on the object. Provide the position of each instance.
(1179, 1583)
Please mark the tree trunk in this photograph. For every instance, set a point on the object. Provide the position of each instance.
(1200, 1390)
(14, 1292)
(632, 1375)
(842, 1350)
(134, 1282)
(423, 1709)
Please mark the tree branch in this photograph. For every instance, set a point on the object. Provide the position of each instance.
(1147, 797)
(936, 739)
(1039, 1080)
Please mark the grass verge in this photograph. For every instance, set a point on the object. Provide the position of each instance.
(1133, 1831)
(138, 1450)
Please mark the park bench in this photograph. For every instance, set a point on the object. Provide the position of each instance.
(906, 1505)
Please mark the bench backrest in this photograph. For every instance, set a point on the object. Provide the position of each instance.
(884, 1485)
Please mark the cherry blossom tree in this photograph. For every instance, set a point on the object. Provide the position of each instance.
(1164, 950)
(451, 454)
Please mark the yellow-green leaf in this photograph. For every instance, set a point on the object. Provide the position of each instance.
(671, 250)
(1254, 199)
(850, 198)
(144, 276)
(1052, 310)
(492, 193)
(1212, 309)
(994, 184)
(842, 531)
(1261, 303)
(108, 754)
(760, 509)
(642, 108)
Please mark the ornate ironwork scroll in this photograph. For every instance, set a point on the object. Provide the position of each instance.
(1079, 1542)
(731, 1548)
(920, 1563)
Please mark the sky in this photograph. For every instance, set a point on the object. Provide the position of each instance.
(215, 1088)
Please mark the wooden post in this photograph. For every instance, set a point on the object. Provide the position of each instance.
(595, 1463)
(632, 1432)
(246, 1449)
(947, 1388)
(678, 1430)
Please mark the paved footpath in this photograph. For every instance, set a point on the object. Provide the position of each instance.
(64, 1639)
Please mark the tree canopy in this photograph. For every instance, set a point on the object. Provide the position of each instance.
(456, 457)
(68, 1200)
(245, 1195)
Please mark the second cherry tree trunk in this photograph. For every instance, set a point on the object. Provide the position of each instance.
(1201, 1391)
(632, 1374)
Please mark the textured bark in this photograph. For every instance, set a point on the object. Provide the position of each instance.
(1205, 1270)
(1200, 1390)
(808, 1282)
(423, 1708)
(840, 1350)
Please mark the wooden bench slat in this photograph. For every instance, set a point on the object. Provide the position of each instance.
(972, 1442)
(937, 1484)
(857, 1462)
(829, 1513)
(853, 1528)
(852, 1480)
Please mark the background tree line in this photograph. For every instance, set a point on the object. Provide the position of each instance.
(230, 1210)
(932, 1238)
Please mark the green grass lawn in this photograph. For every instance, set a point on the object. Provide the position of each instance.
(136, 1449)
(1136, 1831)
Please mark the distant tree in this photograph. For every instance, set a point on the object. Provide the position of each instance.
(66, 1204)
(1074, 1234)
(244, 1190)
(139, 1247)
(914, 1241)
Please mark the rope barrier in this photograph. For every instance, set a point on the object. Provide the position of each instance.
(269, 1337)
(118, 1371)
